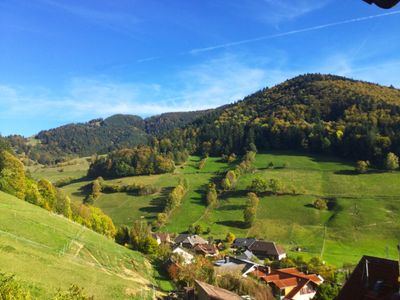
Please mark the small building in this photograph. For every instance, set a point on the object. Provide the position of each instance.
(374, 278)
(246, 255)
(189, 240)
(207, 291)
(265, 249)
(234, 265)
(207, 250)
(184, 254)
(243, 243)
(290, 283)
(162, 238)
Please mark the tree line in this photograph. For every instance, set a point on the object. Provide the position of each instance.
(143, 160)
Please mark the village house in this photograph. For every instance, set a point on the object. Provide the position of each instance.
(207, 250)
(234, 265)
(206, 291)
(162, 238)
(246, 255)
(290, 283)
(243, 243)
(265, 249)
(189, 240)
(374, 278)
(187, 258)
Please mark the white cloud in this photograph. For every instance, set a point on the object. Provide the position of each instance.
(207, 85)
(277, 11)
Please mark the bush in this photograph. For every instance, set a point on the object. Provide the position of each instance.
(321, 204)
(391, 162)
(230, 237)
(11, 288)
(258, 185)
(362, 167)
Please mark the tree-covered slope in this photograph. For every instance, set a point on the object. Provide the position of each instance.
(316, 113)
(34, 241)
(98, 136)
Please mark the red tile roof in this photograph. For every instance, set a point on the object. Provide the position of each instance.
(288, 278)
(206, 249)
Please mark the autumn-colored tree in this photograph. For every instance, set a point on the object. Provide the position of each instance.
(12, 175)
(252, 200)
(212, 195)
(391, 162)
(249, 216)
(230, 237)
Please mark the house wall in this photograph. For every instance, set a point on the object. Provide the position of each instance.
(201, 295)
(304, 297)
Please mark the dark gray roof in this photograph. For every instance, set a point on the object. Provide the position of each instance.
(243, 242)
(269, 248)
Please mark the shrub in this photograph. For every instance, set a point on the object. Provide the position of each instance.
(362, 167)
(391, 162)
(11, 288)
(321, 204)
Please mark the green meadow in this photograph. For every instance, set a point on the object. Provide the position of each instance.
(363, 216)
(48, 252)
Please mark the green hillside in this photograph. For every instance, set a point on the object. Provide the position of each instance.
(48, 252)
(363, 218)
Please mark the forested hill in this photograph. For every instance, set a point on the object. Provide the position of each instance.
(313, 112)
(98, 136)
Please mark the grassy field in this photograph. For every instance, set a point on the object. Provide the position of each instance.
(34, 241)
(363, 217)
(76, 168)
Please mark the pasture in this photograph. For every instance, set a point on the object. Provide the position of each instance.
(34, 241)
(363, 217)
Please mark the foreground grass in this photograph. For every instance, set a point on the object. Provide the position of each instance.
(49, 252)
(364, 217)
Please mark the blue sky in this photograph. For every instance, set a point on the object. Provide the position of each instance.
(65, 61)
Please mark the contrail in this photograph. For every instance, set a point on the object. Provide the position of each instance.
(273, 36)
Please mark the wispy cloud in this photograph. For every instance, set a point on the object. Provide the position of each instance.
(293, 32)
(207, 85)
(283, 10)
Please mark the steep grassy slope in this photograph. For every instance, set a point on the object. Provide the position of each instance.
(48, 252)
(364, 216)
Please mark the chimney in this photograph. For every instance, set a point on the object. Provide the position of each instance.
(267, 270)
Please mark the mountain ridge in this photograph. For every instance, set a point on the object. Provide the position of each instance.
(298, 104)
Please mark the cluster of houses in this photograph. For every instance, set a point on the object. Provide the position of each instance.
(248, 260)
(373, 278)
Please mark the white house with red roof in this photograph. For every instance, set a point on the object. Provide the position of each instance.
(290, 283)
